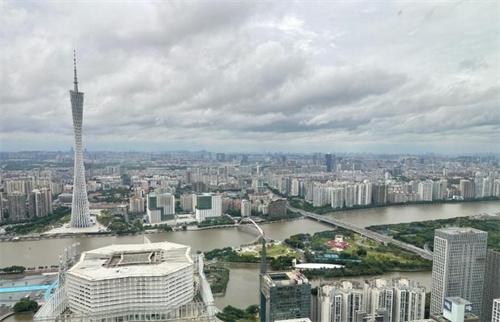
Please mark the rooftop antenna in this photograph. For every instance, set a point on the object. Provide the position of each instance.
(74, 69)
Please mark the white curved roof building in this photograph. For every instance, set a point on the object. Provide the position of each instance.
(127, 278)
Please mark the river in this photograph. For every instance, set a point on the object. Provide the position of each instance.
(46, 251)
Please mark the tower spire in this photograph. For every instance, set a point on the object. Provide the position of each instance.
(75, 82)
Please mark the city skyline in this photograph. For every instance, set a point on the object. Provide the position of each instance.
(391, 78)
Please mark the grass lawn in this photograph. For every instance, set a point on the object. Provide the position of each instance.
(274, 251)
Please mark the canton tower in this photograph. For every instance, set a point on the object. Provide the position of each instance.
(80, 214)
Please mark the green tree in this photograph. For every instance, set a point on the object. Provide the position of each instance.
(25, 305)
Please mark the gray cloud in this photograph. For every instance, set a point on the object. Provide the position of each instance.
(252, 76)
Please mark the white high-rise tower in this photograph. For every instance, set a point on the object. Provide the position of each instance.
(80, 214)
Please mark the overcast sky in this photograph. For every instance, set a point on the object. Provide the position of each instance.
(414, 76)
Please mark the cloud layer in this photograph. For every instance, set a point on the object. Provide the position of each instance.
(245, 76)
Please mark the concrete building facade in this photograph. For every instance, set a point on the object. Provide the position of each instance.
(458, 268)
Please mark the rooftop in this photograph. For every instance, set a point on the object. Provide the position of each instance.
(460, 230)
(118, 261)
(286, 278)
(457, 300)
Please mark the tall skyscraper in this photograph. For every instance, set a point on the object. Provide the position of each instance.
(246, 208)
(329, 162)
(80, 214)
(458, 266)
(284, 296)
(491, 283)
(379, 194)
(17, 206)
(2, 219)
(40, 203)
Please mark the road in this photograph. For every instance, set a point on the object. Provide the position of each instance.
(427, 254)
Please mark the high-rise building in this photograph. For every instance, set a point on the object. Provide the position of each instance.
(439, 189)
(136, 205)
(364, 193)
(379, 194)
(467, 189)
(2, 219)
(495, 312)
(458, 267)
(491, 283)
(337, 197)
(400, 300)
(160, 207)
(425, 190)
(207, 205)
(285, 296)
(330, 162)
(246, 208)
(187, 202)
(80, 213)
(40, 203)
(340, 302)
(277, 207)
(409, 301)
(295, 187)
(17, 206)
(381, 296)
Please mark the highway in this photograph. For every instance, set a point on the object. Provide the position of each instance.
(427, 254)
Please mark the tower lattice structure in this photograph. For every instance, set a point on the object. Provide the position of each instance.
(80, 214)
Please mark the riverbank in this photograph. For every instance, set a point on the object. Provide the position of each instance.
(147, 230)
(46, 251)
(246, 276)
(421, 234)
(303, 205)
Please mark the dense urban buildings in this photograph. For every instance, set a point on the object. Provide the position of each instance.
(398, 300)
(359, 181)
(80, 213)
(458, 268)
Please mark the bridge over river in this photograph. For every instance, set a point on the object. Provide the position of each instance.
(427, 254)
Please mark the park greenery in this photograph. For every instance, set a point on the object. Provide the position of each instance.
(117, 223)
(422, 233)
(361, 257)
(273, 250)
(14, 269)
(232, 314)
(289, 215)
(25, 305)
(228, 254)
(58, 217)
(113, 195)
(216, 221)
(218, 277)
